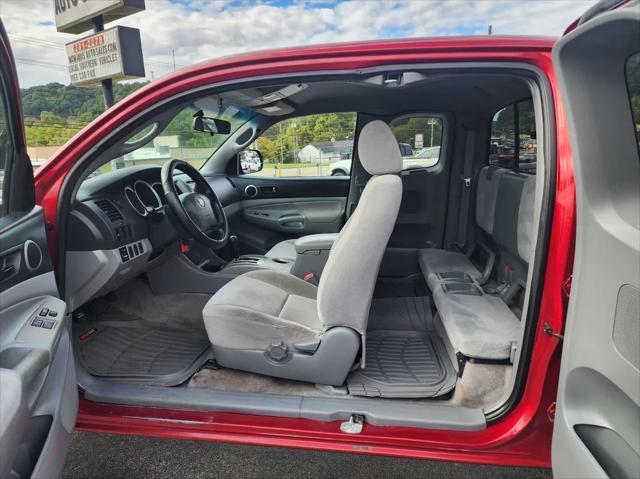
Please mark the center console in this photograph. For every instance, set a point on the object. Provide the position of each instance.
(251, 262)
(179, 274)
(312, 252)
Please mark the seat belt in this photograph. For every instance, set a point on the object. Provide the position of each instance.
(467, 178)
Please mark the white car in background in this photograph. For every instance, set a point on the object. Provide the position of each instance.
(425, 158)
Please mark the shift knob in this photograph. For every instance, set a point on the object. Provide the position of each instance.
(235, 246)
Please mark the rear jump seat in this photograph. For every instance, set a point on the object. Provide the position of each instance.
(481, 325)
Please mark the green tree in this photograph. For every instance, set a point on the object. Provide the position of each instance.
(55, 112)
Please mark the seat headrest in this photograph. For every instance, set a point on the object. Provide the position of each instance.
(378, 149)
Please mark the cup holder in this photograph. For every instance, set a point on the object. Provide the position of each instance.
(468, 289)
(454, 277)
(280, 260)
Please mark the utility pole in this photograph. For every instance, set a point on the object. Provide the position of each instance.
(107, 85)
(295, 146)
(490, 30)
(107, 89)
(432, 121)
(278, 172)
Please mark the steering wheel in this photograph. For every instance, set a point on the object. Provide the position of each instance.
(199, 213)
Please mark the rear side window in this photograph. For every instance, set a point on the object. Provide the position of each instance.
(420, 140)
(513, 142)
(632, 72)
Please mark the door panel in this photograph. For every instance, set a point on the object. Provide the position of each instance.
(38, 391)
(308, 215)
(598, 405)
(419, 223)
(276, 209)
(36, 363)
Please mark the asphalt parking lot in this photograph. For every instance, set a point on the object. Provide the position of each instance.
(113, 456)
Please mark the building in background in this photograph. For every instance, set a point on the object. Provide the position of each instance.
(326, 151)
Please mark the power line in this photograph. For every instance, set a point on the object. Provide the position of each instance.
(43, 42)
(54, 66)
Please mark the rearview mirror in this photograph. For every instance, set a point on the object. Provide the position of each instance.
(250, 161)
(210, 125)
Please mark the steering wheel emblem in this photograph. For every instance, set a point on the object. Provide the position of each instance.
(200, 202)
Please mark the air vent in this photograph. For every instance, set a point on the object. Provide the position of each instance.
(110, 210)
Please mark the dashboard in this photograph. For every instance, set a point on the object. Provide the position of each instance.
(121, 207)
(119, 227)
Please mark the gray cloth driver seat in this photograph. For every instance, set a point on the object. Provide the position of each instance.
(276, 324)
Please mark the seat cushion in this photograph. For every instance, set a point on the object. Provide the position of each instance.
(434, 261)
(285, 250)
(262, 307)
(480, 327)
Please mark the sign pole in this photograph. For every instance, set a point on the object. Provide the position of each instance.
(107, 85)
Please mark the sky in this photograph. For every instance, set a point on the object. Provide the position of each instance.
(198, 30)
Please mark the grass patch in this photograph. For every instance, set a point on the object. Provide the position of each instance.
(284, 166)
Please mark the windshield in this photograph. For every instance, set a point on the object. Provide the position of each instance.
(179, 139)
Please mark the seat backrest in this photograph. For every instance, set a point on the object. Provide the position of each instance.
(487, 197)
(349, 277)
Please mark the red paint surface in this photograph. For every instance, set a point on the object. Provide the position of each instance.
(521, 438)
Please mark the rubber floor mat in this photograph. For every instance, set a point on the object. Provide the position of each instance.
(401, 287)
(403, 364)
(401, 314)
(140, 352)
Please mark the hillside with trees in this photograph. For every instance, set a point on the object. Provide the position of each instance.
(54, 112)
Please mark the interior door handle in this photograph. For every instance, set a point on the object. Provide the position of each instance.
(6, 272)
(291, 221)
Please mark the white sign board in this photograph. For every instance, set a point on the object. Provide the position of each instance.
(114, 53)
(418, 142)
(74, 16)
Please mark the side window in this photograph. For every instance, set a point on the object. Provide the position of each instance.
(314, 145)
(632, 72)
(420, 140)
(513, 142)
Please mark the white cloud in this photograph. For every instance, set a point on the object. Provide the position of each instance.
(197, 30)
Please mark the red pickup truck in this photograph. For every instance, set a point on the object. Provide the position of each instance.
(481, 308)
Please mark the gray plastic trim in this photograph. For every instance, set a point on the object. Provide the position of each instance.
(91, 273)
(376, 412)
(179, 275)
(25, 255)
(41, 285)
(59, 399)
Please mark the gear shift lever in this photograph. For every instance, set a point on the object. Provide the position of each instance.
(235, 246)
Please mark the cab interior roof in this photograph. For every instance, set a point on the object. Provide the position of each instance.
(475, 94)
